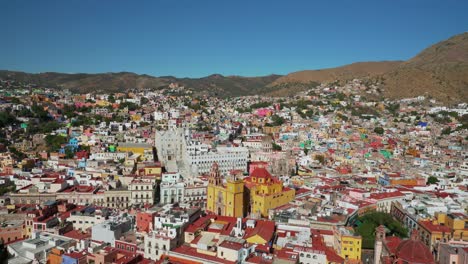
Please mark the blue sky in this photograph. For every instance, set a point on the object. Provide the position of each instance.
(196, 38)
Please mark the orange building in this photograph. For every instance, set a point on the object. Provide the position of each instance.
(55, 256)
(144, 221)
(11, 230)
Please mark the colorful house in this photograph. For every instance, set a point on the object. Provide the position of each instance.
(347, 244)
(266, 192)
(226, 200)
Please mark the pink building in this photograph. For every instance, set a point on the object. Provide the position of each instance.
(262, 112)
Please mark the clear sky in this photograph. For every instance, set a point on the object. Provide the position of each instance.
(196, 38)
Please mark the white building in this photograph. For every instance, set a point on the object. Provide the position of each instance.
(195, 193)
(142, 191)
(36, 248)
(309, 255)
(200, 158)
(159, 242)
(172, 188)
(86, 218)
(170, 145)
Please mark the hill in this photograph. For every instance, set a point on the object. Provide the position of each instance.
(82, 82)
(216, 84)
(350, 71)
(440, 71)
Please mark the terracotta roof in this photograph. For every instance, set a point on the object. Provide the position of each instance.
(381, 196)
(231, 245)
(264, 229)
(414, 251)
(434, 228)
(392, 243)
(189, 251)
(78, 235)
(260, 173)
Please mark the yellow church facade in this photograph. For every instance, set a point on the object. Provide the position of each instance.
(228, 199)
(266, 192)
(262, 193)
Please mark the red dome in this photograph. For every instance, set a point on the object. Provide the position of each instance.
(414, 251)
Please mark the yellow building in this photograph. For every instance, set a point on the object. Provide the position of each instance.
(271, 130)
(135, 117)
(346, 244)
(102, 103)
(443, 228)
(153, 171)
(135, 148)
(456, 222)
(227, 200)
(266, 192)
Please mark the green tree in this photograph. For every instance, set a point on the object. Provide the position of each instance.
(40, 113)
(393, 109)
(54, 142)
(277, 120)
(369, 222)
(432, 180)
(3, 251)
(69, 152)
(111, 99)
(6, 119)
(446, 131)
(144, 100)
(130, 106)
(276, 147)
(379, 130)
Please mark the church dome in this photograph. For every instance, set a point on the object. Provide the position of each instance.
(414, 251)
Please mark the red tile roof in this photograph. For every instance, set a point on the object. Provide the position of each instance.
(78, 235)
(264, 229)
(189, 251)
(381, 196)
(434, 228)
(231, 245)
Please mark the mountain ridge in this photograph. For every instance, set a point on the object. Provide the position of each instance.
(439, 71)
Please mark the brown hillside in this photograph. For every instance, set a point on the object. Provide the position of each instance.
(440, 71)
(350, 71)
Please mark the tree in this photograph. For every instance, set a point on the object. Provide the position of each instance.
(432, 180)
(144, 100)
(40, 113)
(3, 251)
(320, 158)
(277, 120)
(54, 142)
(371, 221)
(18, 154)
(446, 131)
(69, 152)
(6, 119)
(393, 109)
(379, 130)
(276, 147)
(111, 99)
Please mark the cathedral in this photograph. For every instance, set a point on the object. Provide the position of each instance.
(256, 194)
(225, 198)
(393, 250)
